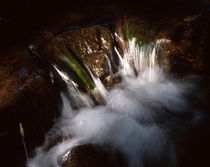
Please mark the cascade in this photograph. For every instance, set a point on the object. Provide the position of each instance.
(140, 117)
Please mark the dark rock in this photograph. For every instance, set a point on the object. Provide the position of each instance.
(187, 51)
(56, 140)
(90, 155)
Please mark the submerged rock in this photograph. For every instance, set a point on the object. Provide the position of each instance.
(90, 155)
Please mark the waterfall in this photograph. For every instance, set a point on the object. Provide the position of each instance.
(141, 118)
(140, 59)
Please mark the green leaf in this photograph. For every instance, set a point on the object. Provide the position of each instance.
(21, 129)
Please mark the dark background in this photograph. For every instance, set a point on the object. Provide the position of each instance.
(22, 19)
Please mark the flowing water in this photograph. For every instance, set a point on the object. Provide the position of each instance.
(142, 116)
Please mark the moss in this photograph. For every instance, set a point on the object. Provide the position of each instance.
(74, 70)
(144, 33)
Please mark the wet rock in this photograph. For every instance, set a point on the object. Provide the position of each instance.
(54, 141)
(92, 46)
(78, 51)
(187, 51)
(90, 155)
(74, 72)
(144, 31)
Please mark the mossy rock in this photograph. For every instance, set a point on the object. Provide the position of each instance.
(57, 54)
(143, 31)
(91, 45)
(187, 51)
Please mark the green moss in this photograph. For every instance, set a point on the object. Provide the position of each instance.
(73, 69)
(192, 18)
(144, 33)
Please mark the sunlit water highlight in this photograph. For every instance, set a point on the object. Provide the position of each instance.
(142, 116)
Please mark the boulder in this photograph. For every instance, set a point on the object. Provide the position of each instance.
(93, 46)
(90, 155)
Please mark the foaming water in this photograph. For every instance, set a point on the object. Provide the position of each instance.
(142, 117)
